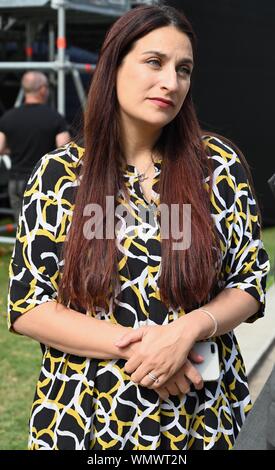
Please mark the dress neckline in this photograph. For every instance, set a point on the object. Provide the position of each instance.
(127, 168)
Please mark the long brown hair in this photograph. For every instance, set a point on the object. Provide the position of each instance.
(91, 266)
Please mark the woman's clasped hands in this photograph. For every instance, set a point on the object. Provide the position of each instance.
(161, 359)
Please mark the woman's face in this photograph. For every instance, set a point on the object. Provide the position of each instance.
(158, 66)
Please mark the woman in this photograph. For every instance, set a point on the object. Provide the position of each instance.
(118, 327)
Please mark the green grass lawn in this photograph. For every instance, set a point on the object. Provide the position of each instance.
(269, 243)
(20, 362)
(20, 359)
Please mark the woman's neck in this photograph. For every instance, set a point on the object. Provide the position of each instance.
(138, 145)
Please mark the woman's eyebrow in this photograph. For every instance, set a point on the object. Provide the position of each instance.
(186, 60)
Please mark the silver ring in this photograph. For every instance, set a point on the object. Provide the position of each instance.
(152, 377)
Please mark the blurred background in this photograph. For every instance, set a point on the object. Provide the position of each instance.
(234, 96)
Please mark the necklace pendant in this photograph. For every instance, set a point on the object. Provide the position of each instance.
(142, 177)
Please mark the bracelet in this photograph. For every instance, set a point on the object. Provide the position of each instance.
(214, 321)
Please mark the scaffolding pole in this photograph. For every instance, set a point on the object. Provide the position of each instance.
(61, 50)
(7, 240)
(78, 86)
(55, 65)
(28, 53)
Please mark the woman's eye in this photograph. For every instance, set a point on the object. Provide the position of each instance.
(153, 61)
(184, 70)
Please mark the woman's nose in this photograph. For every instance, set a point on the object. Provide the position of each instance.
(170, 80)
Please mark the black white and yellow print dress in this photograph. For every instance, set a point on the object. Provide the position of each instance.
(85, 403)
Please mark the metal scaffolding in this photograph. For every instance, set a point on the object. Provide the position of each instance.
(85, 11)
(56, 12)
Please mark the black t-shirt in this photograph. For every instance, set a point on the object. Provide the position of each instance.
(30, 131)
(2, 109)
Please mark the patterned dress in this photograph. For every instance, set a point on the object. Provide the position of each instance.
(83, 403)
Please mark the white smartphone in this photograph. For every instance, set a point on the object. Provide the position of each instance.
(210, 367)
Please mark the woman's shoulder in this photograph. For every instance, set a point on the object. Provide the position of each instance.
(56, 168)
(63, 158)
(226, 157)
(220, 148)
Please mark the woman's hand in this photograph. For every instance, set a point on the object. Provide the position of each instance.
(162, 352)
(179, 383)
(128, 351)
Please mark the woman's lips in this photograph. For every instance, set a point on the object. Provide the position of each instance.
(160, 103)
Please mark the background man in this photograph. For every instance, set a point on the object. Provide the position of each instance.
(30, 131)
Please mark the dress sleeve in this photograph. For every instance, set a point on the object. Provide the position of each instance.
(246, 261)
(34, 265)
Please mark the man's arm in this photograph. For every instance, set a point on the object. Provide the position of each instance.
(3, 144)
(62, 138)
